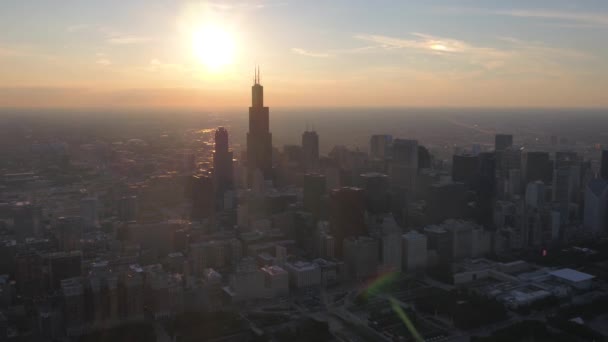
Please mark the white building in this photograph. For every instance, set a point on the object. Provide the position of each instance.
(414, 251)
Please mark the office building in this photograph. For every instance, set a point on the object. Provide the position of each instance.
(259, 138)
(604, 165)
(310, 150)
(503, 141)
(414, 251)
(303, 274)
(595, 218)
(222, 162)
(346, 215)
(313, 193)
(403, 167)
(465, 168)
(377, 192)
(536, 166)
(379, 146)
(535, 194)
(361, 257)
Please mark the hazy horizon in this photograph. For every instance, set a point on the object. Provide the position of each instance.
(202, 53)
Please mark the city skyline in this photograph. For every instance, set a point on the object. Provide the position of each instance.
(201, 54)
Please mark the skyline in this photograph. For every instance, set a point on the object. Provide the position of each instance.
(436, 54)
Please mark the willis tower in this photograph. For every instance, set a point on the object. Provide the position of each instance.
(259, 138)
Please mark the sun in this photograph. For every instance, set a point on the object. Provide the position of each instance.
(214, 47)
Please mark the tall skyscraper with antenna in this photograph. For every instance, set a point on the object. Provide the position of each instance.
(259, 138)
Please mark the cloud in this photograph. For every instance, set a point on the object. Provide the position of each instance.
(303, 52)
(10, 52)
(584, 19)
(156, 65)
(245, 5)
(103, 62)
(581, 17)
(127, 40)
(508, 56)
(485, 56)
(76, 28)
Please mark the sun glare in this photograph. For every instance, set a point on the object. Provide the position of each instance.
(214, 47)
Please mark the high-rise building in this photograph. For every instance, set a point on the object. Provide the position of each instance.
(379, 145)
(346, 215)
(604, 165)
(503, 141)
(414, 251)
(536, 166)
(310, 150)
(259, 138)
(535, 194)
(222, 161)
(377, 192)
(404, 165)
(361, 256)
(314, 190)
(464, 168)
(596, 207)
(203, 197)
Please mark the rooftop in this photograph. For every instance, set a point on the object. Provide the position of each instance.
(571, 275)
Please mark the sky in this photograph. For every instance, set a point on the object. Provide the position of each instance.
(343, 53)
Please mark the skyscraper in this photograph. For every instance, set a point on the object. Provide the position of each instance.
(465, 168)
(404, 166)
(503, 141)
(310, 150)
(536, 166)
(595, 218)
(222, 161)
(379, 145)
(347, 215)
(604, 165)
(259, 138)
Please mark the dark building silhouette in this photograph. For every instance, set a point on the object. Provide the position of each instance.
(503, 141)
(346, 215)
(222, 161)
(404, 165)
(314, 190)
(203, 197)
(536, 166)
(446, 200)
(259, 138)
(424, 157)
(486, 188)
(310, 150)
(465, 168)
(604, 165)
(377, 192)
